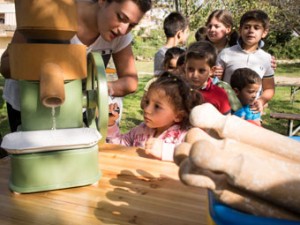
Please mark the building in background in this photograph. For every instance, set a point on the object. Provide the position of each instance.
(7, 23)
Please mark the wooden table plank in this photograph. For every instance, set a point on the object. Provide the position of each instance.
(133, 189)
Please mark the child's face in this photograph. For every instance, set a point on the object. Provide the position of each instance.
(197, 71)
(159, 113)
(184, 36)
(248, 94)
(217, 31)
(251, 33)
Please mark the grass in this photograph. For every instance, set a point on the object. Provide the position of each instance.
(132, 113)
(288, 70)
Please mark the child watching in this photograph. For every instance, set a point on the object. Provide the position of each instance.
(171, 57)
(219, 33)
(180, 64)
(219, 29)
(166, 109)
(176, 30)
(200, 64)
(246, 84)
(201, 34)
(254, 26)
(169, 64)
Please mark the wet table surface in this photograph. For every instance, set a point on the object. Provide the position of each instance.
(133, 189)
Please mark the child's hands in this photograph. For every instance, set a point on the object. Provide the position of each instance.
(218, 72)
(113, 110)
(153, 147)
(257, 106)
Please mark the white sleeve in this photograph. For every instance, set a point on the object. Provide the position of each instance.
(121, 42)
(167, 151)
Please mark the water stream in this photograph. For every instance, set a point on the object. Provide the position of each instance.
(53, 118)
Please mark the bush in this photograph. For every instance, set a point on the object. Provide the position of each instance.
(146, 46)
(289, 50)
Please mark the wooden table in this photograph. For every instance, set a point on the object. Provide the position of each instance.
(133, 190)
(293, 83)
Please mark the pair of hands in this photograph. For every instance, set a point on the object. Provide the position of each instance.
(154, 147)
(113, 113)
(257, 106)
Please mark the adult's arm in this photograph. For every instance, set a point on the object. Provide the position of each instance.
(127, 75)
(4, 68)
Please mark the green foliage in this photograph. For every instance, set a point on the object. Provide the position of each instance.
(288, 50)
(146, 46)
(132, 112)
(280, 103)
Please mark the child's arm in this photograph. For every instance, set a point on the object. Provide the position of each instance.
(268, 87)
(218, 72)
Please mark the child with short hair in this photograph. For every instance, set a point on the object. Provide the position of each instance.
(246, 84)
(166, 108)
(201, 34)
(171, 57)
(200, 61)
(169, 64)
(180, 63)
(176, 30)
(254, 26)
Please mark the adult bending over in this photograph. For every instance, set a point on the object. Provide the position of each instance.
(103, 26)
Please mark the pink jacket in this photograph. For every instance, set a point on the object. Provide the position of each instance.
(138, 135)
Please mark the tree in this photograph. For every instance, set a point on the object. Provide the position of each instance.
(288, 13)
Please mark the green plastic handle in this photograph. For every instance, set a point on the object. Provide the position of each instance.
(97, 91)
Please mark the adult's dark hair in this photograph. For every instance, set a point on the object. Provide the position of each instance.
(202, 50)
(144, 5)
(244, 76)
(173, 23)
(179, 93)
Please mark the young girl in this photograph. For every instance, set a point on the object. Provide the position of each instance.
(219, 29)
(219, 33)
(166, 110)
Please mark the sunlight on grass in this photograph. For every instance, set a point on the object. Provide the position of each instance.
(288, 70)
(132, 112)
